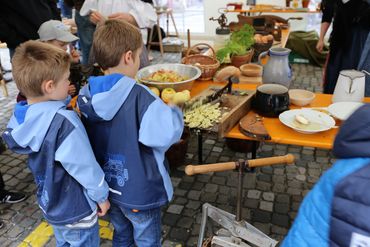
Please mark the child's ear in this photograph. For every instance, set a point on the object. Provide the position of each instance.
(128, 57)
(47, 86)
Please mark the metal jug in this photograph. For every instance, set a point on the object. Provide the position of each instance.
(277, 69)
(350, 86)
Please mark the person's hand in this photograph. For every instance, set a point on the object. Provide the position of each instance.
(71, 89)
(103, 208)
(75, 55)
(96, 17)
(320, 45)
(123, 16)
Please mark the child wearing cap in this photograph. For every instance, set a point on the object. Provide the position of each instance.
(56, 33)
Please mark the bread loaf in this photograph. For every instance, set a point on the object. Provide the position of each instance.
(225, 73)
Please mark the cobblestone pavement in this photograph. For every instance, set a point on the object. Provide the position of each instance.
(271, 196)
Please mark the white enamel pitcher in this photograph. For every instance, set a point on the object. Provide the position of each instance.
(350, 86)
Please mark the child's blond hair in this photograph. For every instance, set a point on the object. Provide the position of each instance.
(35, 62)
(112, 39)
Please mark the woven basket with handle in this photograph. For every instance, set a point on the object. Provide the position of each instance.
(208, 65)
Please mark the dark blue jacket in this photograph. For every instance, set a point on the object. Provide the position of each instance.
(130, 129)
(69, 180)
(336, 212)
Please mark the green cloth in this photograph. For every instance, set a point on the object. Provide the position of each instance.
(304, 44)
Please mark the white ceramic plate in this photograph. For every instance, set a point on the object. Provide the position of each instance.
(318, 121)
(342, 110)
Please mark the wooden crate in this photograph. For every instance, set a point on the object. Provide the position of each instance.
(239, 103)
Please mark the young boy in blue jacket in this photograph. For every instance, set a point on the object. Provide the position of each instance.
(70, 182)
(336, 212)
(130, 130)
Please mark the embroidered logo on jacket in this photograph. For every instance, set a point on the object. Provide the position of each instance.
(114, 169)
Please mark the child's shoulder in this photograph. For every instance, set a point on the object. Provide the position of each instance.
(145, 92)
(72, 116)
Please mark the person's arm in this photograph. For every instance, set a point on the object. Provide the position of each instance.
(135, 14)
(124, 16)
(161, 125)
(96, 17)
(328, 7)
(323, 30)
(76, 156)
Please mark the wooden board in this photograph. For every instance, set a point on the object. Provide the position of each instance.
(252, 125)
(238, 103)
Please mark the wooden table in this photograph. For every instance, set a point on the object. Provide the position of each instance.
(280, 133)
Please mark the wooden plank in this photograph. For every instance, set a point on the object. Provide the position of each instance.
(238, 103)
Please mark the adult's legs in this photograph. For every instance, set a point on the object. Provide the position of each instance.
(86, 31)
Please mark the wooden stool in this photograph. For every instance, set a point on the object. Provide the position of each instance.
(168, 13)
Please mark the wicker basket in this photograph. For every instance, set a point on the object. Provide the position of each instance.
(261, 47)
(208, 65)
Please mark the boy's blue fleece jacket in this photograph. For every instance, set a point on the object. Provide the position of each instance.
(336, 212)
(69, 180)
(130, 129)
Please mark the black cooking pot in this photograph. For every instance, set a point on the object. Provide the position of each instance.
(271, 100)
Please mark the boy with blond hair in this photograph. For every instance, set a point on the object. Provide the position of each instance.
(130, 130)
(70, 183)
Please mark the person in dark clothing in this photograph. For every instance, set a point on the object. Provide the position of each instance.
(336, 212)
(19, 21)
(351, 25)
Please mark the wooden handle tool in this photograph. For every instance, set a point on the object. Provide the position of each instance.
(219, 167)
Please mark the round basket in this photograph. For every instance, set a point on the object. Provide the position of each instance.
(261, 47)
(207, 65)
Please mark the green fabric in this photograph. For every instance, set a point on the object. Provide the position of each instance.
(304, 44)
(296, 58)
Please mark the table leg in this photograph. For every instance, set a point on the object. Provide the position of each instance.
(200, 147)
(254, 149)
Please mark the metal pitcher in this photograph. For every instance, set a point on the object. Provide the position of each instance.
(277, 69)
(350, 86)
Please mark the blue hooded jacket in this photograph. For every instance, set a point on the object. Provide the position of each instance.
(336, 212)
(130, 129)
(69, 180)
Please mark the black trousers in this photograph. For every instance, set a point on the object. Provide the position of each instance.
(2, 185)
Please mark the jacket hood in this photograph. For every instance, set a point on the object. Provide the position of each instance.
(29, 124)
(353, 138)
(103, 96)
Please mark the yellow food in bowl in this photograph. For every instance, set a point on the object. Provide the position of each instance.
(165, 76)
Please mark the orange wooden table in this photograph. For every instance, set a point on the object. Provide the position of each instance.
(279, 132)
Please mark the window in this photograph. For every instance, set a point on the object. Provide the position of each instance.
(188, 14)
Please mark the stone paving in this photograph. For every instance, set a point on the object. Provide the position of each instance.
(271, 198)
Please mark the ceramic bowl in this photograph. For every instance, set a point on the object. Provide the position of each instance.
(300, 97)
(252, 70)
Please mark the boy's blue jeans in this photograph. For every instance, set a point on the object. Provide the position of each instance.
(142, 228)
(68, 237)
